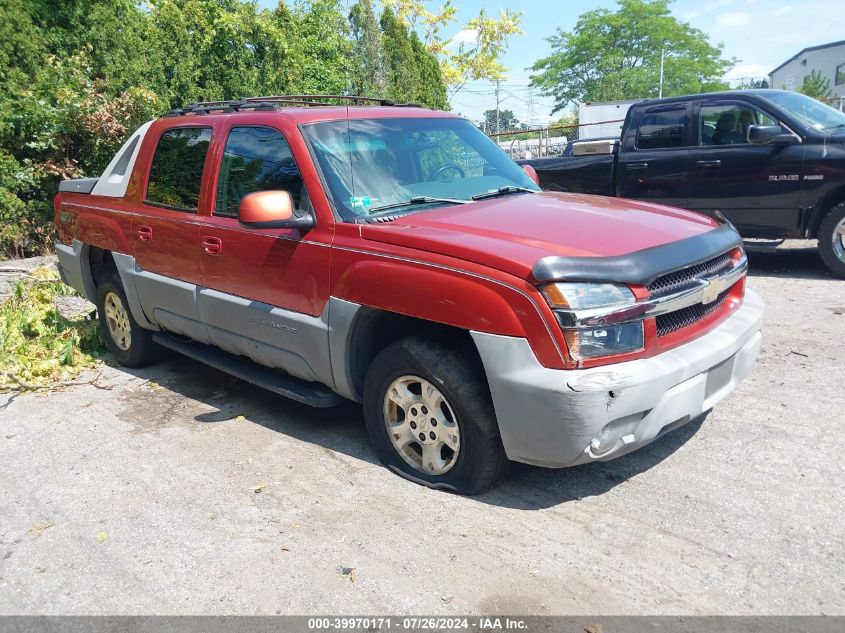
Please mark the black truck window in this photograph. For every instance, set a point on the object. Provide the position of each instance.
(728, 123)
(257, 159)
(662, 129)
(176, 170)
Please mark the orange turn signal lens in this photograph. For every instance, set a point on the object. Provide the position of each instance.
(555, 296)
(579, 295)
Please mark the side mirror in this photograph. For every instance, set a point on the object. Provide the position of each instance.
(271, 210)
(774, 134)
(532, 173)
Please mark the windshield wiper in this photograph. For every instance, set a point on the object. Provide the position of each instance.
(416, 200)
(503, 191)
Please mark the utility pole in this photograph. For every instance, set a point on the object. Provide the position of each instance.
(660, 89)
(497, 105)
(531, 112)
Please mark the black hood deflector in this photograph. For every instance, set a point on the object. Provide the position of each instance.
(640, 267)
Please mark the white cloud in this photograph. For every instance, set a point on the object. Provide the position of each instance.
(467, 36)
(704, 8)
(784, 10)
(733, 18)
(745, 71)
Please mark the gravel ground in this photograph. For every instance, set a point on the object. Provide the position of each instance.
(11, 270)
(139, 499)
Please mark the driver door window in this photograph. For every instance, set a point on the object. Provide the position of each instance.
(728, 124)
(728, 174)
(257, 159)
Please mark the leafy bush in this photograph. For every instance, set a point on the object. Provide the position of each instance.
(39, 346)
(78, 76)
(63, 125)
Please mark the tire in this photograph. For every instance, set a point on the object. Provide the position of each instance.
(135, 350)
(466, 413)
(832, 240)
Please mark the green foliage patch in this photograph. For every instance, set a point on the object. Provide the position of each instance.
(78, 76)
(615, 55)
(39, 346)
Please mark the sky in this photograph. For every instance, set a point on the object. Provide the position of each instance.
(760, 34)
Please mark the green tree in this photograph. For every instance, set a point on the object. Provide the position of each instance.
(22, 48)
(369, 79)
(568, 119)
(614, 55)
(507, 121)
(114, 30)
(321, 47)
(213, 49)
(432, 88)
(77, 76)
(817, 86)
(470, 59)
(401, 72)
(752, 84)
(391, 60)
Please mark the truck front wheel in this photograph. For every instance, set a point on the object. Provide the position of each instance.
(832, 239)
(127, 341)
(430, 417)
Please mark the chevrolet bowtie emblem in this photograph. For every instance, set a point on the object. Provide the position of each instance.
(712, 291)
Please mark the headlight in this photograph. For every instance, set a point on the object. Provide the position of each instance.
(580, 296)
(604, 341)
(592, 342)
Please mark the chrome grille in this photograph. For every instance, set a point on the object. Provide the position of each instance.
(671, 282)
(679, 319)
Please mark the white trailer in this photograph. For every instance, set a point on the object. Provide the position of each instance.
(591, 113)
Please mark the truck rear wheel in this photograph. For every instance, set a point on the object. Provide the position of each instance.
(127, 341)
(832, 239)
(430, 417)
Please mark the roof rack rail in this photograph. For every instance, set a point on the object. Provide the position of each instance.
(273, 102)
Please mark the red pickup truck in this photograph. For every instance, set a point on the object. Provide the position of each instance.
(395, 256)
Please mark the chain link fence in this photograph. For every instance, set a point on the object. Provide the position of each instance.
(553, 141)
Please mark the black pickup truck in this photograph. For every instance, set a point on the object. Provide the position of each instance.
(771, 161)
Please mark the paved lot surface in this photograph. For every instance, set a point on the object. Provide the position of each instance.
(139, 499)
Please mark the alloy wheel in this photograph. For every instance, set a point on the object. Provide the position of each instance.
(422, 425)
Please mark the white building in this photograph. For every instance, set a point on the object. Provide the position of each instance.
(827, 59)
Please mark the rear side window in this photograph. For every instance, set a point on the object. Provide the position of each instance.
(662, 129)
(176, 170)
(257, 159)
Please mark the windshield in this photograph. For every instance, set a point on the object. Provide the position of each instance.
(812, 113)
(373, 164)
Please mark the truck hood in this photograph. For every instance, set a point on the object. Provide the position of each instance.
(513, 232)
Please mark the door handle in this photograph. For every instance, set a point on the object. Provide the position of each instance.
(708, 163)
(636, 166)
(212, 245)
(145, 233)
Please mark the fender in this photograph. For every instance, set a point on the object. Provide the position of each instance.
(103, 232)
(437, 295)
(819, 210)
(442, 294)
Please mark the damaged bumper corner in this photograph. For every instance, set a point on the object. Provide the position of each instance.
(556, 418)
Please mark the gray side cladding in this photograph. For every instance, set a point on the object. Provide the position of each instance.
(314, 348)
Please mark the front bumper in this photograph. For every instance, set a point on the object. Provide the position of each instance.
(552, 417)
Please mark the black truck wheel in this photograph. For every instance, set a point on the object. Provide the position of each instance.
(127, 341)
(832, 239)
(430, 417)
